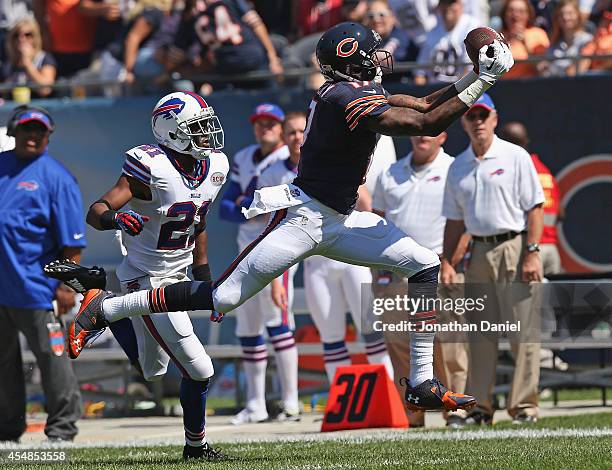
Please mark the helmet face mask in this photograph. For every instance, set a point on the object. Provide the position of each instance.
(185, 123)
(350, 52)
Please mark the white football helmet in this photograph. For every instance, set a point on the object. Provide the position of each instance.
(184, 122)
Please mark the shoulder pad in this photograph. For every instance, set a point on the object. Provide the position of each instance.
(138, 162)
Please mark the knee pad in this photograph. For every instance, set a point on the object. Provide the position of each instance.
(201, 369)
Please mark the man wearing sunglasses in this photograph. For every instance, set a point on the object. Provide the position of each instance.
(493, 191)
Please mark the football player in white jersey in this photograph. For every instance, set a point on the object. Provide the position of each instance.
(260, 311)
(160, 203)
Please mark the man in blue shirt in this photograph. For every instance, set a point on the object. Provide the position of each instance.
(41, 220)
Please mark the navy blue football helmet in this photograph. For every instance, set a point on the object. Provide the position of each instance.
(350, 52)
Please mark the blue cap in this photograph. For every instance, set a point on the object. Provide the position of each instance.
(485, 102)
(32, 115)
(267, 110)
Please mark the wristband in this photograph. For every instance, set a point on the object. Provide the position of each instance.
(107, 220)
(473, 91)
(201, 272)
(466, 81)
(103, 201)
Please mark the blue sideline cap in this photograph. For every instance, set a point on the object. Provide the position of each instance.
(267, 110)
(485, 102)
(32, 115)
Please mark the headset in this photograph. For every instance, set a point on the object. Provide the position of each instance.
(18, 111)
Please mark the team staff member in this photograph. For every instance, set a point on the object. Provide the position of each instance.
(494, 192)
(410, 193)
(41, 220)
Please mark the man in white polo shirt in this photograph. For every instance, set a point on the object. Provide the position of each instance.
(494, 192)
(409, 193)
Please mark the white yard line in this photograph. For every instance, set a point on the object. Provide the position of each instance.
(354, 437)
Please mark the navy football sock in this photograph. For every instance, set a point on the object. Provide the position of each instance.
(193, 400)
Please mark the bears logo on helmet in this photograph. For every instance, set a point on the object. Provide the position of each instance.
(350, 52)
(340, 49)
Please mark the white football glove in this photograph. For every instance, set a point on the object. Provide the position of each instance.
(491, 69)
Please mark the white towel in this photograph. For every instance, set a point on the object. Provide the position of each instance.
(275, 198)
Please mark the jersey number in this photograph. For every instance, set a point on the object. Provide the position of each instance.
(187, 212)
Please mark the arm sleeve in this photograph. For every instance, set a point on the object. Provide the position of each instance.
(531, 192)
(228, 209)
(67, 209)
(451, 209)
(359, 101)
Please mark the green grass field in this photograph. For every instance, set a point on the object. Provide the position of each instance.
(579, 442)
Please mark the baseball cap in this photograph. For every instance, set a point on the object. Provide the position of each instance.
(485, 102)
(267, 110)
(33, 115)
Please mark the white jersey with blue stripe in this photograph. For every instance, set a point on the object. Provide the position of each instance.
(246, 171)
(179, 202)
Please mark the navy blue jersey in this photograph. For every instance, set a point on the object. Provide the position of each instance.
(337, 147)
(225, 30)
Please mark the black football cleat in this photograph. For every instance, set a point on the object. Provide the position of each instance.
(78, 278)
(433, 395)
(89, 322)
(204, 452)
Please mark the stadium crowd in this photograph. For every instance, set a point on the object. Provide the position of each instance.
(156, 42)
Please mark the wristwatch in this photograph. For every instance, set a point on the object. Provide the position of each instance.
(532, 247)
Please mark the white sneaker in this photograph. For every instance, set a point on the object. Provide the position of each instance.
(288, 416)
(247, 416)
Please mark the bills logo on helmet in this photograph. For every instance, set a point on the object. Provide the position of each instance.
(346, 47)
(166, 109)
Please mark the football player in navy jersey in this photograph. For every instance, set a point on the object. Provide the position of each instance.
(314, 215)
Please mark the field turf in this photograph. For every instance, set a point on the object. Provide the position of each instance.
(576, 442)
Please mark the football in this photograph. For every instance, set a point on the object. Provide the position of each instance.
(476, 39)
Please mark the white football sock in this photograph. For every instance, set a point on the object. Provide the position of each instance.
(286, 354)
(128, 305)
(335, 355)
(421, 357)
(377, 354)
(254, 364)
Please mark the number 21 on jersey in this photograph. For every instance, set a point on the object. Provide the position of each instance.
(185, 213)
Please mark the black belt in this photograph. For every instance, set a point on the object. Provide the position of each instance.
(500, 237)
